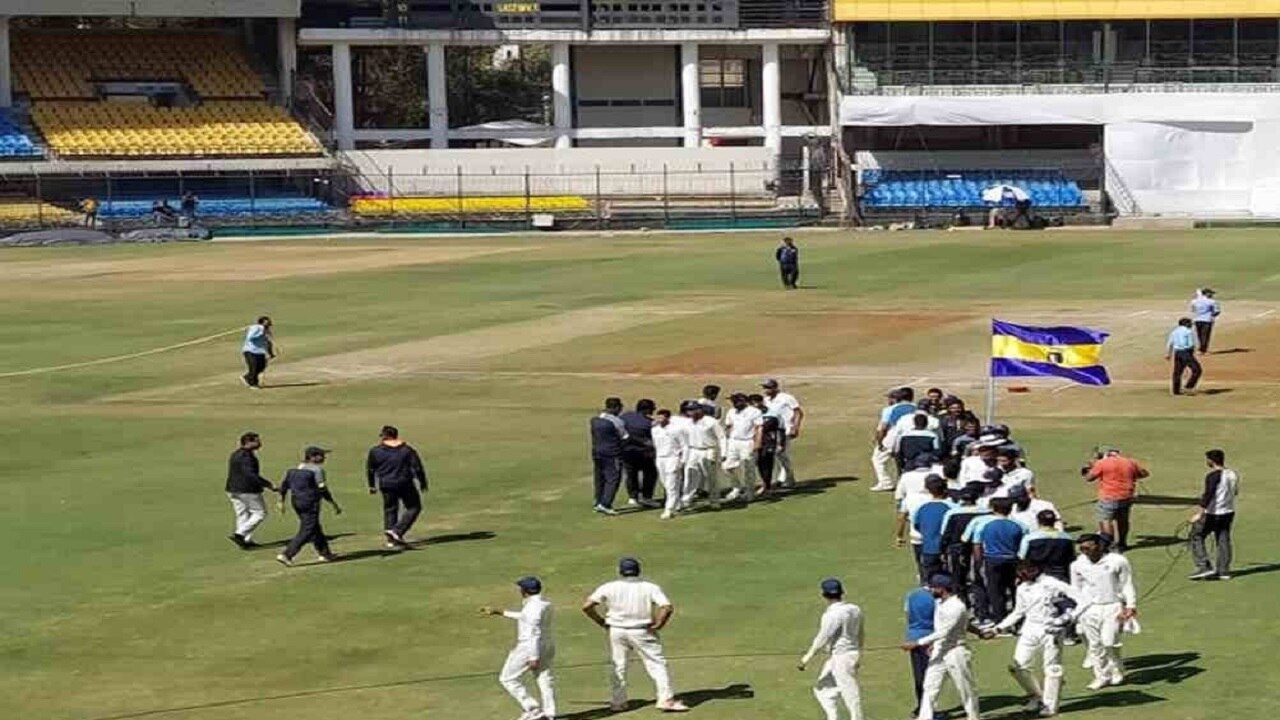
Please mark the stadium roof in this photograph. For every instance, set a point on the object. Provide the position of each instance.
(154, 8)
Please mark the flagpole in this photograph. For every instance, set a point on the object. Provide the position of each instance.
(991, 391)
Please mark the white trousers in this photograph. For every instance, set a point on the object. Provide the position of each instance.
(671, 475)
(1100, 625)
(513, 671)
(838, 680)
(648, 646)
(885, 467)
(785, 474)
(740, 466)
(1033, 641)
(250, 511)
(700, 473)
(958, 664)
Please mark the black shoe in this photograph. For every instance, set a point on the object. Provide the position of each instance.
(250, 545)
(238, 540)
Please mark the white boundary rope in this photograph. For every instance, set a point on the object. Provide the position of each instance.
(118, 358)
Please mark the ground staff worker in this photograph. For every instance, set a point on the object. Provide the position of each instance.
(307, 483)
(392, 468)
(535, 651)
(244, 488)
(636, 610)
(788, 257)
(259, 344)
(1181, 349)
(840, 635)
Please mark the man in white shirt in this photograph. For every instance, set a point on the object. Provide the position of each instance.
(1015, 473)
(1204, 313)
(534, 652)
(1026, 508)
(740, 451)
(898, 404)
(787, 409)
(669, 449)
(911, 482)
(1037, 604)
(948, 654)
(1105, 580)
(840, 635)
(636, 610)
(705, 449)
(981, 458)
(1214, 516)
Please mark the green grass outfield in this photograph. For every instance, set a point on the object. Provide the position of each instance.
(122, 598)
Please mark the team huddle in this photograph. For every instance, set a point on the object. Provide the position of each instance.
(686, 452)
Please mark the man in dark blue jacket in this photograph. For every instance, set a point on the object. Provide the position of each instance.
(788, 257)
(393, 468)
(608, 437)
(307, 483)
(244, 488)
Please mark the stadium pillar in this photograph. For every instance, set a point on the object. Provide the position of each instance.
(437, 97)
(771, 97)
(691, 94)
(343, 111)
(287, 41)
(6, 85)
(561, 94)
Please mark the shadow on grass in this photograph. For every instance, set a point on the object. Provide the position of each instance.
(355, 555)
(1256, 569)
(1165, 500)
(282, 543)
(455, 537)
(693, 698)
(1231, 351)
(281, 386)
(1216, 391)
(1145, 542)
(1171, 668)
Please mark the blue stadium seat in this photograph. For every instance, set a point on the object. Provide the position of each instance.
(963, 188)
(14, 142)
(221, 207)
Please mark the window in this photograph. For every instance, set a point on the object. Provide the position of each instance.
(724, 82)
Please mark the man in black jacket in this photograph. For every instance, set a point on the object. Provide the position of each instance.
(244, 488)
(393, 467)
(307, 483)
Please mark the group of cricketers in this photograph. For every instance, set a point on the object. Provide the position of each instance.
(686, 451)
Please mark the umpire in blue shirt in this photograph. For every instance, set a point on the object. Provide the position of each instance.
(1181, 349)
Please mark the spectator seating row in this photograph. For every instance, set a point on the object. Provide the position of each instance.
(65, 64)
(218, 128)
(963, 188)
(377, 206)
(221, 207)
(27, 212)
(14, 141)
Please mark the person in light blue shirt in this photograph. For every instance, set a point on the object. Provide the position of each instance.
(1204, 311)
(1181, 349)
(919, 606)
(258, 347)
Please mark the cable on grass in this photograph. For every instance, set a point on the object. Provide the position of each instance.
(119, 358)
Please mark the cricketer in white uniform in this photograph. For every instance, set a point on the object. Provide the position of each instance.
(948, 654)
(840, 635)
(1036, 606)
(1105, 580)
(787, 409)
(740, 451)
(669, 449)
(705, 449)
(636, 610)
(535, 651)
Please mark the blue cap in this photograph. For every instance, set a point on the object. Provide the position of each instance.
(628, 567)
(832, 587)
(530, 584)
(941, 580)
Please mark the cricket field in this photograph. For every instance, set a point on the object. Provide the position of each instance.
(122, 597)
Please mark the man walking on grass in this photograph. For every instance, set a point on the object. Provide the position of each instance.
(788, 257)
(948, 653)
(787, 409)
(1105, 580)
(636, 610)
(840, 635)
(608, 438)
(534, 653)
(1117, 477)
(1215, 516)
(898, 404)
(392, 468)
(669, 450)
(244, 488)
(638, 468)
(1205, 310)
(307, 483)
(706, 448)
(1181, 349)
(259, 345)
(740, 452)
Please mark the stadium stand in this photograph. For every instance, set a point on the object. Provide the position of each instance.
(382, 206)
(963, 188)
(215, 105)
(218, 128)
(231, 208)
(14, 140)
(19, 211)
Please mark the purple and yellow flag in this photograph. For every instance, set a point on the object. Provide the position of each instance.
(1072, 353)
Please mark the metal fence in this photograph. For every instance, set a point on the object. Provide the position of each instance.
(434, 198)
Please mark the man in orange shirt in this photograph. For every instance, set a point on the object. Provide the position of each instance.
(1117, 477)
